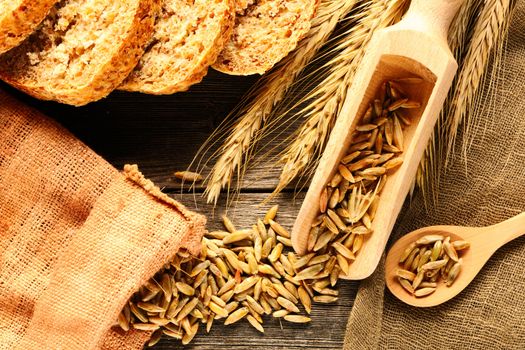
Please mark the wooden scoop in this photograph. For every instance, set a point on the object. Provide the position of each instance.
(415, 47)
(484, 241)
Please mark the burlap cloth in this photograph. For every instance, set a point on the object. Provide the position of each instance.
(487, 187)
(77, 237)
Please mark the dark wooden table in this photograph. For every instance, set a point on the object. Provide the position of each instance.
(162, 134)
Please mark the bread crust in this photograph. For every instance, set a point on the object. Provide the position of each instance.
(18, 24)
(110, 74)
(164, 85)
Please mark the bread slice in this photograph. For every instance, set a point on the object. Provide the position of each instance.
(19, 18)
(82, 50)
(189, 36)
(265, 32)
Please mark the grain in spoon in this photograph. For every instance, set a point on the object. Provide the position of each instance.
(484, 242)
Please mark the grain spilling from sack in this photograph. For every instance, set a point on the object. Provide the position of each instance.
(251, 273)
(240, 274)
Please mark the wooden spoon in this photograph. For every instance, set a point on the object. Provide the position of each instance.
(415, 47)
(484, 241)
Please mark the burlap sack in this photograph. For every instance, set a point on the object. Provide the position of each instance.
(77, 237)
(486, 188)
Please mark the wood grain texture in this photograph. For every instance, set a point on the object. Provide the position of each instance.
(161, 134)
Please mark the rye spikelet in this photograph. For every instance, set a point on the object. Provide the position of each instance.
(462, 26)
(325, 102)
(265, 95)
(460, 32)
(478, 29)
(491, 27)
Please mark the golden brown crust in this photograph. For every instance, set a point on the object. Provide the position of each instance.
(18, 23)
(108, 76)
(266, 32)
(171, 80)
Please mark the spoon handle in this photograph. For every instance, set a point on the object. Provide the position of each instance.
(508, 230)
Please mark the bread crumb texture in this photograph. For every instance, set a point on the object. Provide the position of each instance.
(242, 5)
(265, 32)
(189, 35)
(82, 50)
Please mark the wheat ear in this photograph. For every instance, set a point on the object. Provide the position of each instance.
(478, 29)
(267, 93)
(325, 102)
(460, 31)
(489, 31)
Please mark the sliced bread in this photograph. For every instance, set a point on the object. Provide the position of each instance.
(189, 35)
(265, 32)
(82, 51)
(19, 18)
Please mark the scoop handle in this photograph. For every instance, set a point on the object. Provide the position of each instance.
(432, 17)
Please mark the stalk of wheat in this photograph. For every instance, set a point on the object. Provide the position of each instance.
(325, 102)
(267, 93)
(478, 29)
(490, 28)
(460, 32)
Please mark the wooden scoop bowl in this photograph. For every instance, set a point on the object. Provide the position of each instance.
(415, 47)
(484, 241)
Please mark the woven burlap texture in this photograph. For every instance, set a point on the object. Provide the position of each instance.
(485, 187)
(77, 237)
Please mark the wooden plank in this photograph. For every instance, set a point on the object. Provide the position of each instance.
(163, 133)
(326, 331)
